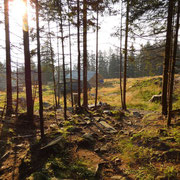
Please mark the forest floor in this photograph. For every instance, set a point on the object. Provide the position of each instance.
(106, 143)
(100, 144)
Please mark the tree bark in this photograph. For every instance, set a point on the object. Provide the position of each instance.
(17, 90)
(63, 57)
(85, 95)
(97, 34)
(167, 58)
(70, 54)
(53, 69)
(27, 66)
(8, 60)
(173, 68)
(39, 73)
(79, 55)
(125, 56)
(58, 69)
(120, 62)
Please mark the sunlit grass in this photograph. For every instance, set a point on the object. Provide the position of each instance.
(139, 92)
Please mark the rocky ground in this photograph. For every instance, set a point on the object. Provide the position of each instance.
(106, 143)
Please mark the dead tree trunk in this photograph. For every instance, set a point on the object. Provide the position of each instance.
(173, 68)
(125, 56)
(167, 58)
(39, 73)
(97, 34)
(9, 108)
(85, 95)
(27, 66)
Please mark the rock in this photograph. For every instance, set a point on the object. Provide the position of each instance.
(98, 119)
(129, 122)
(53, 127)
(117, 161)
(20, 146)
(75, 129)
(156, 98)
(82, 123)
(107, 127)
(46, 104)
(97, 115)
(87, 118)
(88, 141)
(58, 141)
(108, 112)
(118, 177)
(137, 114)
(104, 149)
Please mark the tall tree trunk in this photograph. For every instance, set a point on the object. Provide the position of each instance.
(58, 69)
(120, 61)
(173, 68)
(63, 56)
(85, 95)
(79, 55)
(53, 69)
(125, 56)
(27, 66)
(8, 60)
(39, 73)
(167, 58)
(17, 90)
(70, 54)
(97, 34)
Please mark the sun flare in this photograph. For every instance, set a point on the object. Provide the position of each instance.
(18, 9)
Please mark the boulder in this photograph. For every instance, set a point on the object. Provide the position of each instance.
(108, 128)
(156, 98)
(88, 141)
(108, 112)
(46, 104)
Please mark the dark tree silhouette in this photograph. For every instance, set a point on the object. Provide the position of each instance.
(125, 56)
(167, 57)
(27, 66)
(85, 95)
(39, 73)
(8, 59)
(172, 69)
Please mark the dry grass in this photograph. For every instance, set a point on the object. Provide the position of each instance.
(139, 91)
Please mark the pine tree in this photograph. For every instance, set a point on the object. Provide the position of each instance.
(8, 59)
(27, 66)
(167, 57)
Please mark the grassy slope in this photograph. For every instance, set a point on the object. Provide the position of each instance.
(139, 92)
